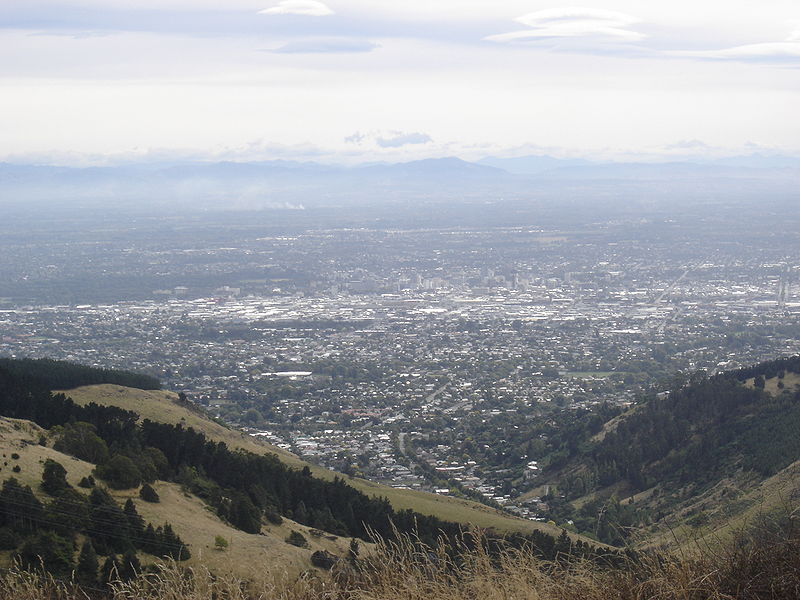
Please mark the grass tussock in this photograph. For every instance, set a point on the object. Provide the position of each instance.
(764, 564)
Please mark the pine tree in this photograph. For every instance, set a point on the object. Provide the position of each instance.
(19, 508)
(87, 564)
(563, 544)
(109, 574)
(54, 477)
(135, 521)
(130, 566)
(150, 540)
(300, 513)
(170, 544)
(352, 553)
(110, 529)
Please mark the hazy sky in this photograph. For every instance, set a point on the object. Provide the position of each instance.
(348, 80)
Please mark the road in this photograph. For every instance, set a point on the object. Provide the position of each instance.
(671, 286)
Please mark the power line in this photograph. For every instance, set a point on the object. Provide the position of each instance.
(90, 530)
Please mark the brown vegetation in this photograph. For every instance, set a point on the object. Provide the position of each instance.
(764, 564)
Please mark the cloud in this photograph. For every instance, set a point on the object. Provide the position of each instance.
(355, 138)
(787, 50)
(767, 51)
(574, 22)
(399, 138)
(310, 8)
(326, 45)
(687, 145)
(388, 139)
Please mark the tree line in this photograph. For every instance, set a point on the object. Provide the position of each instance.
(62, 375)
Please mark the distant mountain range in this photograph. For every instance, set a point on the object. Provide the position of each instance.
(289, 184)
(548, 166)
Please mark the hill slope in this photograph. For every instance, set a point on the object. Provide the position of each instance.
(706, 455)
(190, 516)
(162, 406)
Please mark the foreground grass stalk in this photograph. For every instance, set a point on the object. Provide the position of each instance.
(764, 565)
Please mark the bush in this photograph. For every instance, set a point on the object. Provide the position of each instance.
(148, 494)
(81, 440)
(49, 550)
(54, 477)
(324, 559)
(120, 473)
(295, 538)
(220, 543)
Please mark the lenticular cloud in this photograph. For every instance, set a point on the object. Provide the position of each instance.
(311, 8)
(573, 22)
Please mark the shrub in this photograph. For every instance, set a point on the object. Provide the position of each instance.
(119, 473)
(295, 538)
(324, 559)
(81, 440)
(148, 494)
(54, 477)
(220, 543)
(49, 550)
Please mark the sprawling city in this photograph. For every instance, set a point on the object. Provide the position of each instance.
(440, 359)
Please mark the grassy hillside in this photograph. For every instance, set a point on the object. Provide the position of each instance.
(790, 382)
(247, 556)
(164, 407)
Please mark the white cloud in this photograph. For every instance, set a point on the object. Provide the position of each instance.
(399, 138)
(389, 139)
(788, 50)
(765, 51)
(326, 46)
(355, 138)
(311, 8)
(693, 144)
(573, 22)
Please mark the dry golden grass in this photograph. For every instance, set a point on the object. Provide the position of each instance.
(21, 438)
(790, 381)
(758, 566)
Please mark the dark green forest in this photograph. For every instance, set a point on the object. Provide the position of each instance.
(62, 375)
